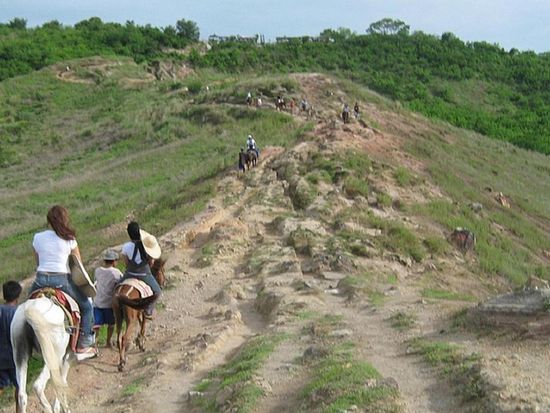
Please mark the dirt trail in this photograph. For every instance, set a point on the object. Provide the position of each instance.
(218, 262)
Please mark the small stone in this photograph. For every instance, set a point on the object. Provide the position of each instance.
(341, 333)
(192, 395)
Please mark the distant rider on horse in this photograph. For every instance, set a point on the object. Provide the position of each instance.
(345, 113)
(251, 144)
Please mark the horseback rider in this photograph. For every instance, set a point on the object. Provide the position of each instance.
(249, 98)
(52, 248)
(251, 144)
(345, 113)
(137, 253)
(356, 110)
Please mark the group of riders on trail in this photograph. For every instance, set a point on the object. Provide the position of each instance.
(346, 112)
(58, 316)
(52, 249)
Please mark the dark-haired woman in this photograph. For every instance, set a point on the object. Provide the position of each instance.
(137, 254)
(52, 248)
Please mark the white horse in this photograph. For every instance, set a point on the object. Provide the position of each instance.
(40, 324)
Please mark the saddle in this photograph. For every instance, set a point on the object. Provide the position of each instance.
(143, 289)
(69, 307)
(145, 292)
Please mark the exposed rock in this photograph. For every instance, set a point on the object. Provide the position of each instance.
(502, 200)
(193, 395)
(314, 353)
(536, 283)
(527, 301)
(341, 333)
(303, 241)
(267, 302)
(476, 206)
(229, 294)
(523, 312)
(334, 276)
(463, 239)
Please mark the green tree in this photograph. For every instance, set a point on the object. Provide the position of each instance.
(388, 26)
(18, 23)
(188, 30)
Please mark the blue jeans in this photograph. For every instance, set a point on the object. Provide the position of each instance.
(65, 284)
(147, 279)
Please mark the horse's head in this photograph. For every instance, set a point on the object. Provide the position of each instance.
(157, 268)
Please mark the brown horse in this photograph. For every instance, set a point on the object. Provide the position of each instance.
(345, 116)
(134, 314)
(251, 158)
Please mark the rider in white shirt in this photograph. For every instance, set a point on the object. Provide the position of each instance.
(251, 144)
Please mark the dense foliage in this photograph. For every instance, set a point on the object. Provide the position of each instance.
(479, 86)
(23, 50)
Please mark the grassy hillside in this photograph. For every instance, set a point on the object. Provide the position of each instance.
(111, 144)
(471, 168)
(475, 85)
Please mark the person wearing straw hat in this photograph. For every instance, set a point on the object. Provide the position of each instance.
(137, 253)
(107, 277)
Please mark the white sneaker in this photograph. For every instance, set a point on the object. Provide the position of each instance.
(85, 353)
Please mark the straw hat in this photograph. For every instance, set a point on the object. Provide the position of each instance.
(152, 247)
(80, 277)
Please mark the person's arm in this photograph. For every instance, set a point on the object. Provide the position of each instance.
(76, 252)
(36, 258)
(125, 260)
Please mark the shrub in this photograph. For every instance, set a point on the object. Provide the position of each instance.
(354, 186)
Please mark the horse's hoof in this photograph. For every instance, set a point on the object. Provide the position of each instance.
(121, 367)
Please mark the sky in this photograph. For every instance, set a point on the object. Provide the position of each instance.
(521, 24)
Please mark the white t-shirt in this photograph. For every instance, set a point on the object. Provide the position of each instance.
(106, 280)
(128, 250)
(53, 251)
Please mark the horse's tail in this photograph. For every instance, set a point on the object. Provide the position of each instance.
(137, 303)
(42, 329)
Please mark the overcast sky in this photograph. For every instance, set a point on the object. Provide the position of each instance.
(523, 24)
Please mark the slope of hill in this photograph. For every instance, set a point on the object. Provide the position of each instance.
(474, 85)
(321, 280)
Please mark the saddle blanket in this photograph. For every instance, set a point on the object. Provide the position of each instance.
(69, 305)
(143, 289)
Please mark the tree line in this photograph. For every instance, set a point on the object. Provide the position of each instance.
(23, 49)
(473, 85)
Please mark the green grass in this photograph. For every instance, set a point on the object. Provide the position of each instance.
(402, 320)
(361, 285)
(339, 382)
(446, 295)
(134, 387)
(462, 370)
(435, 245)
(302, 240)
(403, 177)
(34, 369)
(237, 374)
(479, 163)
(108, 152)
(355, 186)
